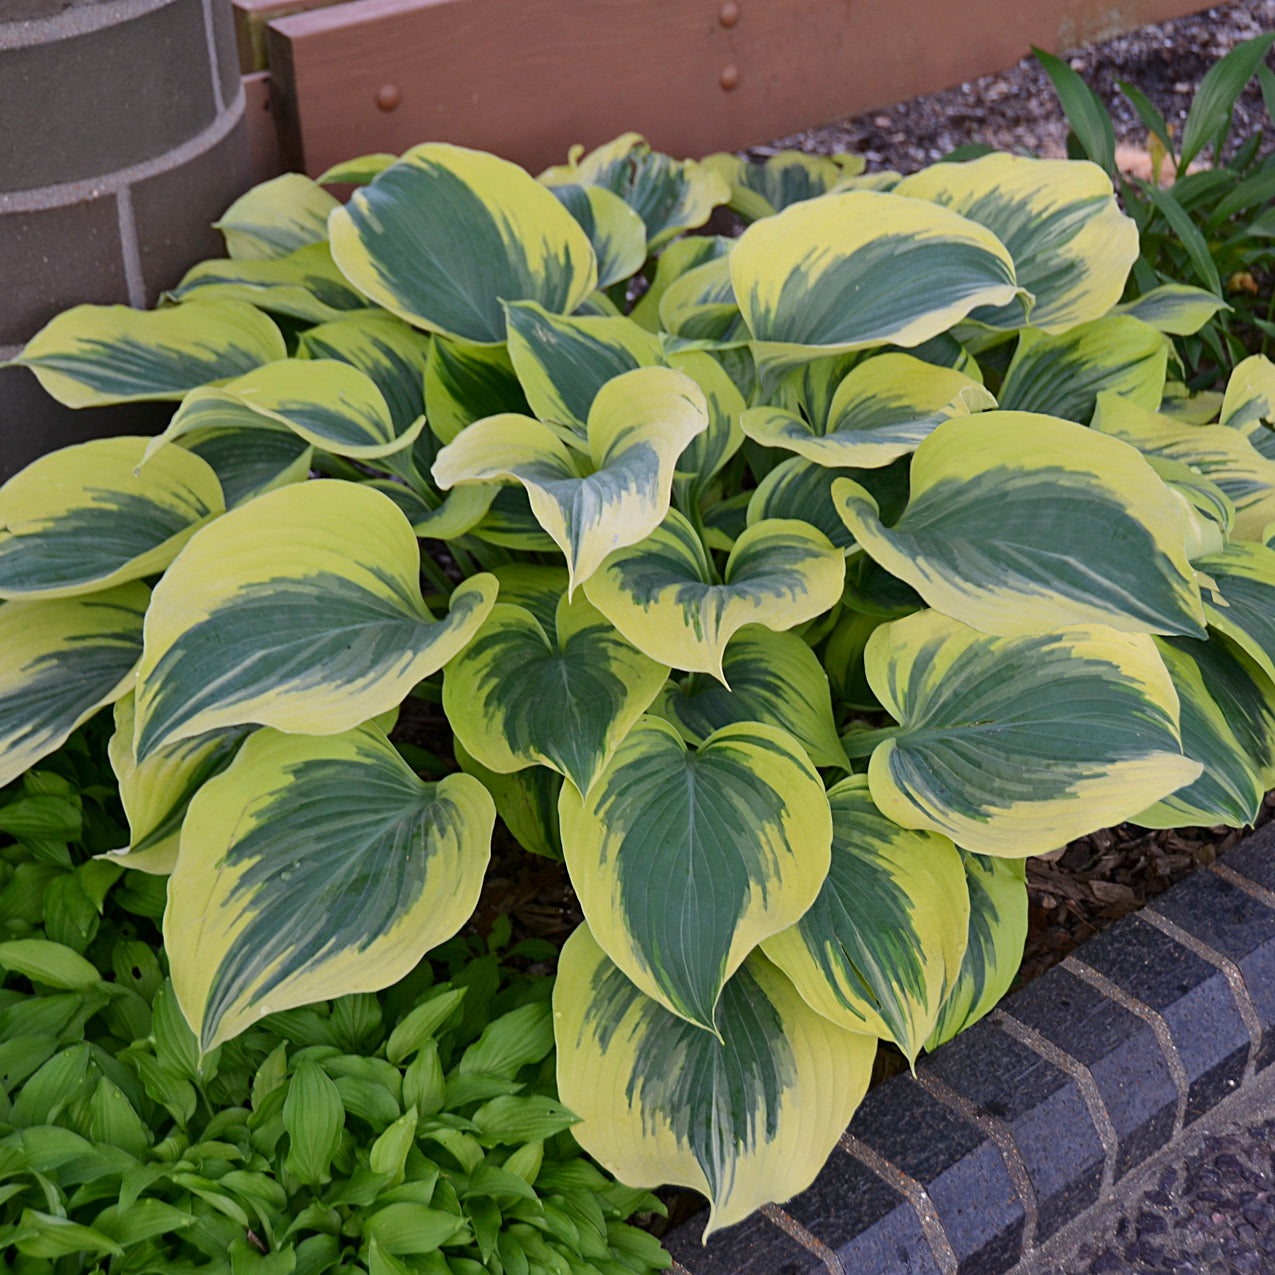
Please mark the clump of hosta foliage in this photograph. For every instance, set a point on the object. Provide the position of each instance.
(793, 588)
(412, 1131)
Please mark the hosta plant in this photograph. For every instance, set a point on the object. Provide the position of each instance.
(793, 588)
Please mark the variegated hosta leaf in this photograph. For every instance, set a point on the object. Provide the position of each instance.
(706, 453)
(761, 190)
(590, 686)
(249, 459)
(1020, 523)
(1222, 455)
(807, 391)
(1239, 599)
(396, 241)
(677, 259)
(744, 1120)
(1063, 375)
(1180, 405)
(883, 410)
(639, 424)
(276, 218)
(669, 195)
(316, 867)
(843, 658)
(664, 595)
(562, 362)
(1230, 789)
(327, 403)
(684, 861)
(773, 678)
(1210, 511)
(302, 611)
(157, 793)
(304, 285)
(861, 269)
(1071, 245)
(1250, 394)
(615, 230)
(356, 172)
(1013, 746)
(700, 306)
(1175, 308)
(527, 800)
(380, 346)
(60, 661)
(884, 941)
(459, 512)
(466, 383)
(84, 518)
(510, 524)
(92, 355)
(998, 929)
(534, 587)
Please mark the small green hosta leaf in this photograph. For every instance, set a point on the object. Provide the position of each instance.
(420, 1026)
(742, 825)
(48, 1091)
(93, 355)
(562, 362)
(314, 1117)
(663, 594)
(997, 931)
(405, 1228)
(313, 867)
(744, 1119)
(300, 610)
(593, 685)
(49, 963)
(773, 678)
(63, 660)
(524, 1035)
(1019, 523)
(1013, 746)
(884, 409)
(862, 269)
(885, 939)
(513, 1120)
(1072, 246)
(396, 241)
(276, 217)
(1064, 375)
(113, 1120)
(144, 1219)
(615, 230)
(639, 423)
(48, 1236)
(84, 518)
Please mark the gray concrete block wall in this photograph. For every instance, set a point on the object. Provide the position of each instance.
(122, 137)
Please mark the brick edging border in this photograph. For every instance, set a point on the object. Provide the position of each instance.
(1016, 1128)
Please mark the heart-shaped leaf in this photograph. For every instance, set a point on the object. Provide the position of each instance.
(276, 217)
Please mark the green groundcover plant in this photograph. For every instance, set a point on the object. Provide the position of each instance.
(416, 1130)
(793, 588)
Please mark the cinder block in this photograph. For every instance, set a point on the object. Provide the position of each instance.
(756, 1246)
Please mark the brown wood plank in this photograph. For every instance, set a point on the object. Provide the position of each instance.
(263, 137)
(526, 78)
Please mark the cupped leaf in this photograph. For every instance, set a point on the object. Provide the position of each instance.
(93, 355)
(316, 867)
(663, 594)
(304, 285)
(700, 305)
(396, 242)
(677, 259)
(1239, 585)
(773, 678)
(1175, 308)
(1013, 746)
(761, 190)
(60, 661)
(746, 1119)
(85, 518)
(1071, 245)
(302, 611)
(562, 362)
(590, 687)
(276, 218)
(997, 891)
(1229, 790)
(669, 195)
(466, 383)
(1221, 454)
(639, 424)
(885, 408)
(884, 941)
(615, 230)
(157, 793)
(741, 825)
(860, 269)
(1063, 375)
(1020, 523)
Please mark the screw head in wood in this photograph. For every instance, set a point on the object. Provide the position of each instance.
(729, 77)
(388, 96)
(728, 14)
